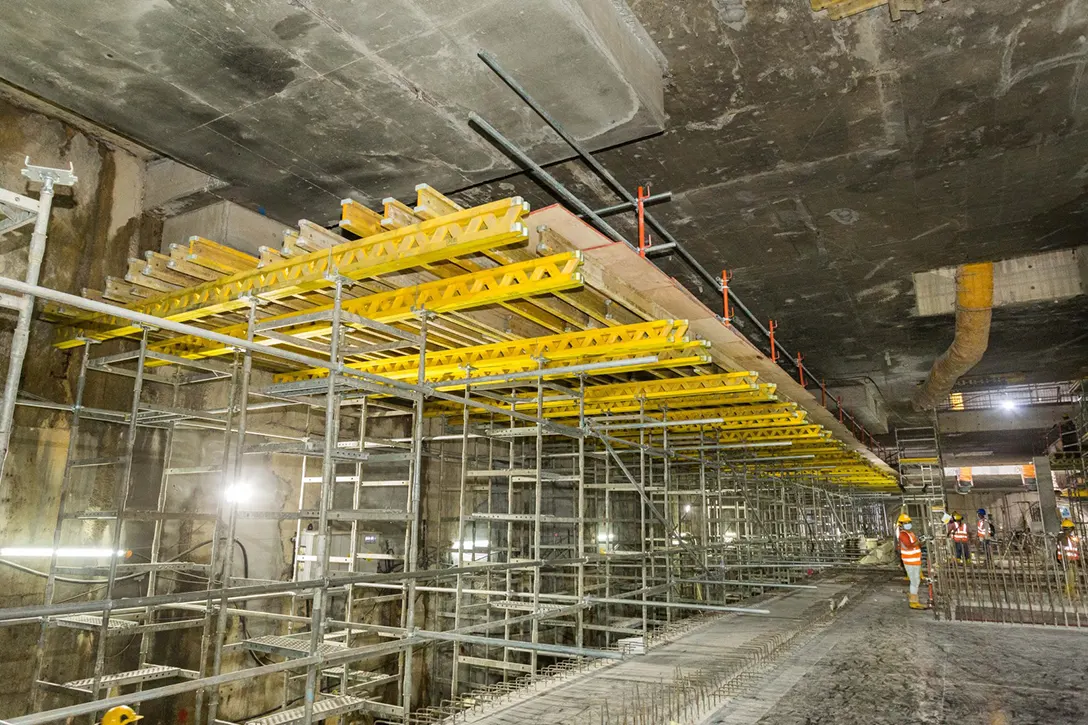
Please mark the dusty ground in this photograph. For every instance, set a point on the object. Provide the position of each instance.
(882, 663)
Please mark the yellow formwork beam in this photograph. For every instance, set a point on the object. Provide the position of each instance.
(731, 417)
(359, 219)
(573, 348)
(728, 419)
(218, 257)
(739, 394)
(789, 433)
(431, 204)
(489, 286)
(465, 232)
(741, 415)
(561, 407)
(404, 368)
(668, 388)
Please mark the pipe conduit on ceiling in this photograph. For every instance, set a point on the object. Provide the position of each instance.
(974, 306)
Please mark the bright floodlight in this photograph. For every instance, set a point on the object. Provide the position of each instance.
(687, 508)
(1008, 404)
(76, 553)
(240, 492)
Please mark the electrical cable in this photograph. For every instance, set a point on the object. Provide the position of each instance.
(242, 605)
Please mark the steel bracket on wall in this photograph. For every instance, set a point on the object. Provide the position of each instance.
(16, 211)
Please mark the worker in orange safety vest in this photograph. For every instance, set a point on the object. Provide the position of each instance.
(1068, 543)
(958, 529)
(910, 551)
(1069, 556)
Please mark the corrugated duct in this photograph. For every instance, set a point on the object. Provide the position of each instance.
(974, 306)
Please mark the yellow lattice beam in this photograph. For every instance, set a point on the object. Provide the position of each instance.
(608, 343)
(465, 232)
(734, 415)
(789, 433)
(489, 286)
(665, 389)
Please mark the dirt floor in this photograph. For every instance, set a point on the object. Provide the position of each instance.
(882, 663)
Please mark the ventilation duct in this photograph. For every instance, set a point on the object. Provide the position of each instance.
(974, 304)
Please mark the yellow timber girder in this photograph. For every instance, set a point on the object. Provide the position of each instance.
(489, 286)
(832, 462)
(723, 389)
(599, 344)
(676, 428)
(561, 406)
(461, 233)
(787, 433)
(666, 390)
(725, 418)
(743, 394)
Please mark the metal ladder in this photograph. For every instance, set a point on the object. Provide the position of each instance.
(353, 478)
(90, 460)
(921, 475)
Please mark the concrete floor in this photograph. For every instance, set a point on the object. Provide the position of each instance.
(876, 662)
(882, 663)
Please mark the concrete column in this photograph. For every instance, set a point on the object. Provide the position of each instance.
(1047, 503)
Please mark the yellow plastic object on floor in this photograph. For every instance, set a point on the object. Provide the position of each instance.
(914, 603)
(839, 9)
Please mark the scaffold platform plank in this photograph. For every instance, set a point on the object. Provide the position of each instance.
(329, 707)
(290, 646)
(144, 674)
(93, 622)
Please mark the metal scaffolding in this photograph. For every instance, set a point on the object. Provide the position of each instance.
(477, 501)
(1019, 565)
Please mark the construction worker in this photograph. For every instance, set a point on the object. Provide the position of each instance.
(1069, 555)
(120, 715)
(958, 529)
(910, 552)
(1068, 543)
(983, 534)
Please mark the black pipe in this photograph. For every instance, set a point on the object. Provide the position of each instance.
(605, 176)
(628, 206)
(546, 180)
(553, 184)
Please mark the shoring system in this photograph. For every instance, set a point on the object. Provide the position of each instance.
(502, 469)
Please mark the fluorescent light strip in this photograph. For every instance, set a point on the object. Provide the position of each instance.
(62, 553)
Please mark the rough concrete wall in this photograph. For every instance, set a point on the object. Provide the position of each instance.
(95, 226)
(226, 223)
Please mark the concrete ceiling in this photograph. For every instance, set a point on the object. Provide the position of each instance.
(822, 162)
(825, 162)
(298, 103)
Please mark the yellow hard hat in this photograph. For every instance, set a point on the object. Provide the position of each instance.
(120, 715)
(903, 518)
(957, 516)
(1067, 523)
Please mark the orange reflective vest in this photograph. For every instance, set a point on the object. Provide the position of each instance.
(983, 529)
(959, 532)
(909, 548)
(1069, 548)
